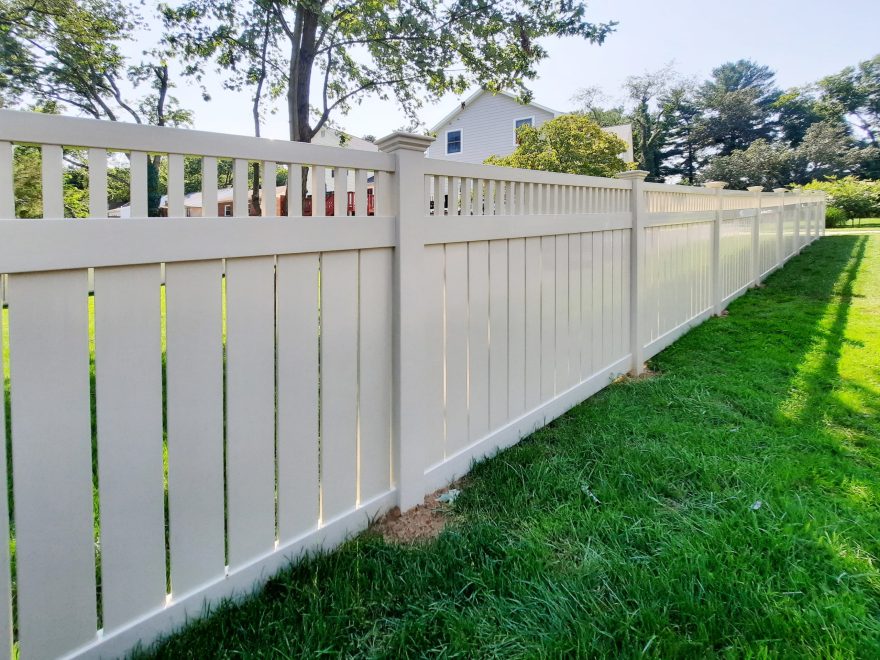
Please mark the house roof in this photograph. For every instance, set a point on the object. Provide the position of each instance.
(473, 97)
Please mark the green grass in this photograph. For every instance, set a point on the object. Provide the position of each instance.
(777, 402)
(867, 223)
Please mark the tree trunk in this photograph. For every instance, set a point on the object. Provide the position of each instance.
(302, 57)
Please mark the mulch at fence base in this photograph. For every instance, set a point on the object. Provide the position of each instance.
(421, 524)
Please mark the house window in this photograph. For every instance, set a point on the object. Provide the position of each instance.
(517, 123)
(227, 210)
(453, 142)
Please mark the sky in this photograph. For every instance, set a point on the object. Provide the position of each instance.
(802, 40)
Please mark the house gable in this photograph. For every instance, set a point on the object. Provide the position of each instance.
(486, 127)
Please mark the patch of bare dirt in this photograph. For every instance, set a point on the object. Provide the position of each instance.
(421, 524)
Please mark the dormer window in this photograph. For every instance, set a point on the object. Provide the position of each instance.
(453, 142)
(518, 123)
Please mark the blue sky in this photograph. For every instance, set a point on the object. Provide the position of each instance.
(802, 40)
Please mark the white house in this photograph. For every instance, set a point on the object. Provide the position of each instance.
(485, 125)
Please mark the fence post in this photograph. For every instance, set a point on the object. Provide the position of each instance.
(780, 247)
(409, 378)
(798, 211)
(636, 261)
(715, 262)
(756, 235)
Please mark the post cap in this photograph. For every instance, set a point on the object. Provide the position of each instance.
(755, 188)
(717, 185)
(780, 190)
(403, 141)
(634, 175)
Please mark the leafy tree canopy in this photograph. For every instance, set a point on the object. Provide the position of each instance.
(574, 144)
(329, 55)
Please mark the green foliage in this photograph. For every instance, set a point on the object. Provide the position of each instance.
(762, 164)
(737, 102)
(827, 150)
(834, 217)
(651, 116)
(413, 52)
(70, 52)
(854, 198)
(574, 144)
(591, 102)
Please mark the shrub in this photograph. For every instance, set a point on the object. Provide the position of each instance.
(574, 144)
(855, 198)
(834, 217)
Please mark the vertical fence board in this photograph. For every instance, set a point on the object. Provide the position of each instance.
(625, 291)
(269, 201)
(209, 187)
(599, 356)
(587, 312)
(562, 320)
(128, 384)
(195, 423)
(516, 328)
(339, 348)
(374, 409)
(456, 347)
(608, 334)
(7, 187)
(620, 310)
(574, 308)
(294, 191)
(548, 317)
(360, 193)
(97, 183)
(498, 333)
(435, 357)
(53, 181)
(176, 208)
(319, 192)
(52, 454)
(478, 339)
(298, 469)
(533, 321)
(240, 190)
(5, 577)
(138, 184)
(250, 408)
(340, 191)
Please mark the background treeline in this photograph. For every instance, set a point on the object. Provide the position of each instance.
(739, 126)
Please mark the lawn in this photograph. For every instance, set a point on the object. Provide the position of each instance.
(867, 223)
(737, 510)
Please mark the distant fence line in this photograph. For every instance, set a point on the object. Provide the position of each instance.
(339, 365)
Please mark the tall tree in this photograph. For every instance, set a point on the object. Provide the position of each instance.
(855, 94)
(797, 109)
(243, 46)
(738, 105)
(335, 52)
(68, 53)
(650, 116)
(592, 102)
(685, 136)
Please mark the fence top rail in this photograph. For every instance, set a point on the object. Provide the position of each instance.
(36, 128)
(438, 167)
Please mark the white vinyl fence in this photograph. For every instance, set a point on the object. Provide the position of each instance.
(297, 376)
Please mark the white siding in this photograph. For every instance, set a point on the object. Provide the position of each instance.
(625, 133)
(487, 128)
